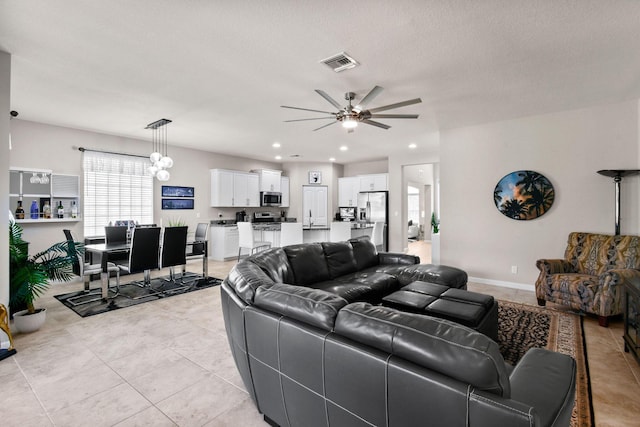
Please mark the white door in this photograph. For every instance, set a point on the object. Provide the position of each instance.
(314, 205)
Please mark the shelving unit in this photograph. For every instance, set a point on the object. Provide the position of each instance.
(27, 184)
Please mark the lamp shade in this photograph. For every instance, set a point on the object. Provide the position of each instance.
(166, 162)
(349, 123)
(155, 157)
(163, 175)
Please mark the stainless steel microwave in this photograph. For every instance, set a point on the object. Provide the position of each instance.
(269, 198)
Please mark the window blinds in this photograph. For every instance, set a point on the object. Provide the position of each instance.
(116, 187)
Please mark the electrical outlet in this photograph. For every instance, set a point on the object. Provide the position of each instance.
(514, 269)
(197, 214)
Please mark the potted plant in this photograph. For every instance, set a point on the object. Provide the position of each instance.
(30, 276)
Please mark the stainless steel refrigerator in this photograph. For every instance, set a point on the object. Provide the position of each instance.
(373, 206)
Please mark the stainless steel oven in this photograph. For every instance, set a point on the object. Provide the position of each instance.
(269, 198)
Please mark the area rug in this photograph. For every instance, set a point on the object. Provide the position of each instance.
(131, 294)
(522, 327)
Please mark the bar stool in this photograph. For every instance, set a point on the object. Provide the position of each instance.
(246, 240)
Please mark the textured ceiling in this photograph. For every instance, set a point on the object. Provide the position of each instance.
(221, 69)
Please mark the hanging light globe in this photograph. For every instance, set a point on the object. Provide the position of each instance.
(153, 169)
(155, 157)
(163, 175)
(166, 162)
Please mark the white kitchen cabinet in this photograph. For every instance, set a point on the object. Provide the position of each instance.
(348, 189)
(284, 189)
(234, 188)
(269, 180)
(223, 242)
(374, 182)
(314, 205)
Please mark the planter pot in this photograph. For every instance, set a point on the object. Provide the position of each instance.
(26, 323)
(435, 248)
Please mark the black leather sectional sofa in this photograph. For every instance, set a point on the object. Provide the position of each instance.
(314, 347)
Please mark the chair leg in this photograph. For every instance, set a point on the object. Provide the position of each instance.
(542, 302)
(603, 321)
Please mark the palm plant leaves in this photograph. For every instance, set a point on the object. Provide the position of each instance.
(30, 276)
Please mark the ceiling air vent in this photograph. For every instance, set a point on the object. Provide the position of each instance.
(340, 62)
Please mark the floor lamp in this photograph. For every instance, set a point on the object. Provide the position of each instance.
(617, 175)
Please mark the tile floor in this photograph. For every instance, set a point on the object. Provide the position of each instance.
(167, 363)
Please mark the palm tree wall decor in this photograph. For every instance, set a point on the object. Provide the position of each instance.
(523, 195)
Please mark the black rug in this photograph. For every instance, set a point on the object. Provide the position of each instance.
(131, 294)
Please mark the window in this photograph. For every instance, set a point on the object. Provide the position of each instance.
(116, 187)
(413, 205)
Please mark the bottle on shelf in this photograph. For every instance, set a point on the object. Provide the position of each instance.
(35, 212)
(74, 210)
(46, 210)
(19, 210)
(60, 210)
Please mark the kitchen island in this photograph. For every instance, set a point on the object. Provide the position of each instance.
(223, 241)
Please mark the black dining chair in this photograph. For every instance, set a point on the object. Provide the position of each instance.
(86, 270)
(114, 235)
(143, 255)
(199, 247)
(173, 252)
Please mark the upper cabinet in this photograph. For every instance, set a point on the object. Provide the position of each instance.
(234, 188)
(269, 180)
(348, 189)
(374, 182)
(284, 189)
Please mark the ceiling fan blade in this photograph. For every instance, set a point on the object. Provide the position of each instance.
(332, 123)
(368, 98)
(374, 123)
(328, 98)
(396, 105)
(314, 118)
(308, 109)
(394, 116)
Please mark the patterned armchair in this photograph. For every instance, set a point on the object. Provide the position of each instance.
(591, 275)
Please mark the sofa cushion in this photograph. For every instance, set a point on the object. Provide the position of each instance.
(441, 274)
(340, 258)
(275, 264)
(436, 344)
(360, 286)
(307, 263)
(365, 252)
(312, 306)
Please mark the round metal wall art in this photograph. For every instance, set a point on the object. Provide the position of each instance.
(523, 195)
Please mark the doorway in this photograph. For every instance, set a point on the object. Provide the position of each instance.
(419, 193)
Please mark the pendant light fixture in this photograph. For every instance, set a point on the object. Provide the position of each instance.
(160, 160)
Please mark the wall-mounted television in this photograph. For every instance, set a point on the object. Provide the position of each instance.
(176, 191)
(177, 203)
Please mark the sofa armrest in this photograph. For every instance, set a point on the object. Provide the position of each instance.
(397, 258)
(546, 380)
(555, 266)
(607, 300)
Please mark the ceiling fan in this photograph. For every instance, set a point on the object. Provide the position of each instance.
(350, 115)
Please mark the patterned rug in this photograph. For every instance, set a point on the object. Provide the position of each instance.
(89, 304)
(522, 327)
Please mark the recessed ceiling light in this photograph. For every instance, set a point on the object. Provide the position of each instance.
(412, 145)
(332, 159)
(344, 148)
(278, 157)
(276, 145)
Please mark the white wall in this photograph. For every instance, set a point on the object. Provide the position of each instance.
(365, 168)
(5, 98)
(37, 145)
(299, 175)
(568, 148)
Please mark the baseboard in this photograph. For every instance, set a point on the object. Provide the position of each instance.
(521, 286)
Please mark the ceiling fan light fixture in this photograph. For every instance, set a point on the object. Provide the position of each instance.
(349, 123)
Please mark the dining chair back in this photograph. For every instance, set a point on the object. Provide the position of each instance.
(144, 253)
(198, 248)
(246, 239)
(174, 248)
(290, 233)
(339, 231)
(115, 234)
